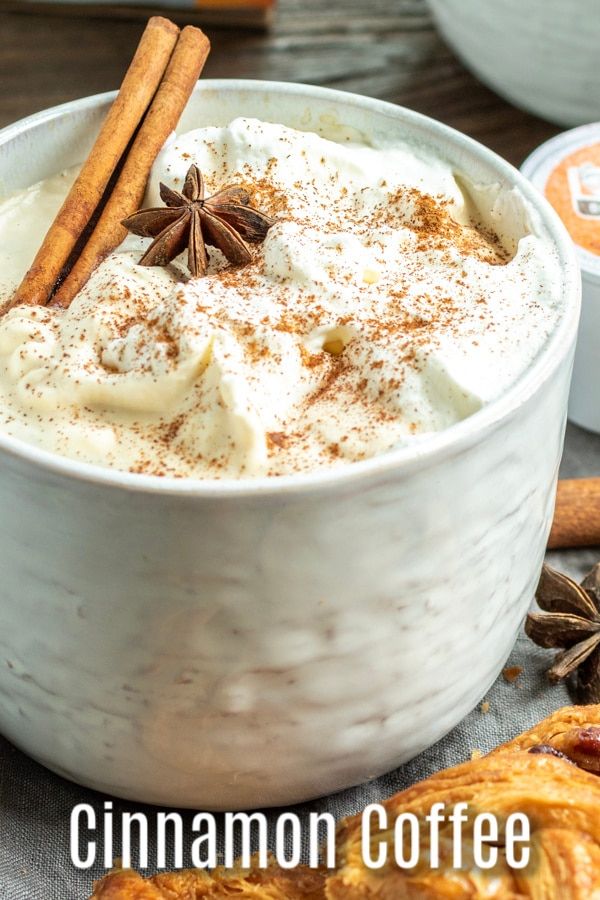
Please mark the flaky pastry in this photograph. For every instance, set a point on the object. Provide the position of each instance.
(549, 773)
(573, 731)
(272, 883)
(563, 806)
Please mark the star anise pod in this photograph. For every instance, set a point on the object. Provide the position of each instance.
(225, 220)
(570, 620)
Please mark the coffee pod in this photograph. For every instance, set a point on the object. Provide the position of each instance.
(566, 170)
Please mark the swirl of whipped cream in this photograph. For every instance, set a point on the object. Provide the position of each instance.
(391, 299)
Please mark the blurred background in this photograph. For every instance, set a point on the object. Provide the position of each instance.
(389, 49)
(508, 73)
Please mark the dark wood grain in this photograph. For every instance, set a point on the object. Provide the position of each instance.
(384, 48)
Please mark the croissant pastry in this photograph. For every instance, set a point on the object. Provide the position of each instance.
(549, 773)
(272, 883)
(563, 806)
(573, 731)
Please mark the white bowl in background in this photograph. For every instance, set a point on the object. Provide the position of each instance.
(231, 644)
(541, 55)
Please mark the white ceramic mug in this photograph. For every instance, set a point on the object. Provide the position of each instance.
(252, 643)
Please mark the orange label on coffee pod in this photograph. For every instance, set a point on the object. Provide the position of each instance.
(573, 189)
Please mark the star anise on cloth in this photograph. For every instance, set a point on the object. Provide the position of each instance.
(225, 220)
(570, 620)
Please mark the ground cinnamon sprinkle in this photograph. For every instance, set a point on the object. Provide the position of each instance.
(434, 228)
(310, 359)
(346, 334)
(277, 439)
(265, 195)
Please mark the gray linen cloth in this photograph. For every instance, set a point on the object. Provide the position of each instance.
(35, 805)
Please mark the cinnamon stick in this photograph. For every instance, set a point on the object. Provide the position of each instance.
(182, 73)
(135, 95)
(577, 514)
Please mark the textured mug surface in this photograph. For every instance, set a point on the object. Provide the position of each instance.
(540, 54)
(239, 644)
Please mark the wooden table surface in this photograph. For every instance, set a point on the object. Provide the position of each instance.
(384, 48)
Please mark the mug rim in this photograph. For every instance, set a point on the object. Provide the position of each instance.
(403, 459)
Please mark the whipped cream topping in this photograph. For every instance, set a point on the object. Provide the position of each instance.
(391, 299)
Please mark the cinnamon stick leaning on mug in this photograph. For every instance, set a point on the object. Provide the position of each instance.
(139, 86)
(126, 196)
(577, 514)
(113, 179)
